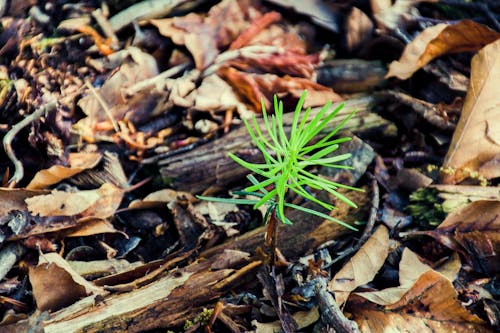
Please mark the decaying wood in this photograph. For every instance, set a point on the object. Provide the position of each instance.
(332, 319)
(209, 166)
(304, 235)
(164, 303)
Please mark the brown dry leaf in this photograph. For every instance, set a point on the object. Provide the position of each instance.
(14, 199)
(204, 37)
(160, 199)
(215, 94)
(100, 203)
(56, 285)
(362, 267)
(476, 140)
(106, 105)
(435, 41)
(53, 175)
(426, 300)
(475, 231)
(91, 226)
(255, 87)
(410, 270)
(359, 28)
(374, 319)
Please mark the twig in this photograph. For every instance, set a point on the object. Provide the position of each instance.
(7, 140)
(103, 104)
(330, 314)
(160, 78)
(144, 10)
(373, 214)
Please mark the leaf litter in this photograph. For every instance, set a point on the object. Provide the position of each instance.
(114, 116)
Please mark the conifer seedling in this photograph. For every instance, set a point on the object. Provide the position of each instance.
(288, 159)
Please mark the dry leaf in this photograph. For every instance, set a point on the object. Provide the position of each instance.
(56, 173)
(56, 285)
(91, 226)
(374, 319)
(204, 37)
(410, 270)
(255, 87)
(362, 267)
(215, 94)
(101, 203)
(14, 199)
(425, 300)
(476, 140)
(435, 41)
(475, 231)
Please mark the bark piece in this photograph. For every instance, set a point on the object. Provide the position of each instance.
(218, 170)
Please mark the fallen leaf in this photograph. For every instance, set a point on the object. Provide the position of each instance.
(362, 267)
(56, 285)
(410, 270)
(373, 319)
(476, 140)
(475, 231)
(14, 199)
(106, 105)
(438, 40)
(425, 300)
(204, 37)
(252, 88)
(56, 173)
(161, 198)
(215, 94)
(91, 227)
(101, 203)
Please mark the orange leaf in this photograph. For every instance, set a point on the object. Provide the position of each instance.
(362, 267)
(435, 41)
(56, 173)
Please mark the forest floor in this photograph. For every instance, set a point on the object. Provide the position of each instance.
(116, 116)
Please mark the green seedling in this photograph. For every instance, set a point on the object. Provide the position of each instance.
(288, 159)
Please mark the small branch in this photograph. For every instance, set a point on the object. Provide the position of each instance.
(7, 140)
(331, 316)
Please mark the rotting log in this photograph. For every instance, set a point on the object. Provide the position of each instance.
(208, 166)
(305, 234)
(166, 302)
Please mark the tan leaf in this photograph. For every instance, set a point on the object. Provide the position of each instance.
(55, 284)
(101, 203)
(91, 226)
(362, 267)
(476, 140)
(56, 173)
(14, 199)
(440, 39)
(410, 269)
